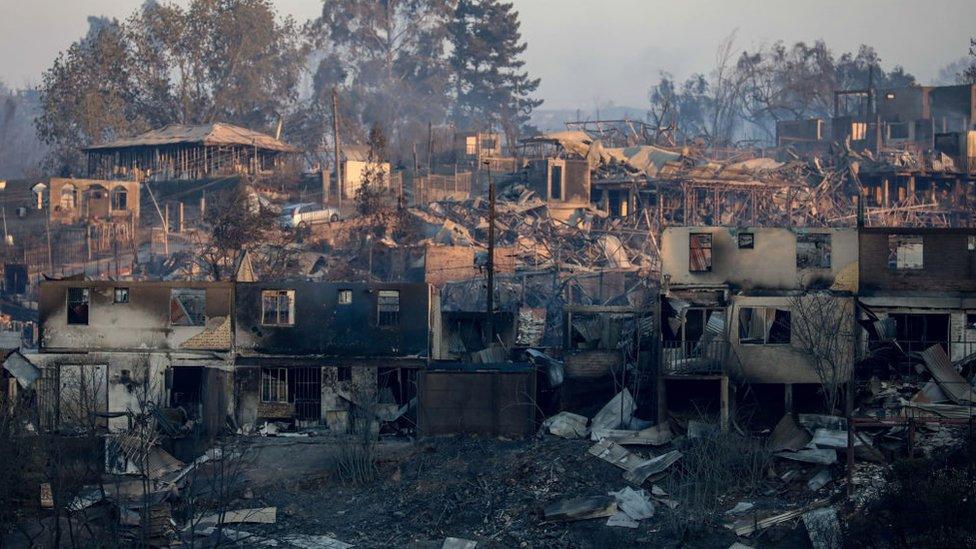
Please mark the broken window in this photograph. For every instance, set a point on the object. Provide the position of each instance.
(898, 130)
(746, 241)
(77, 305)
(812, 250)
(764, 326)
(693, 327)
(278, 307)
(187, 307)
(120, 199)
(388, 308)
(121, 295)
(68, 197)
(859, 131)
(345, 297)
(700, 252)
(556, 182)
(274, 385)
(971, 321)
(905, 252)
(918, 331)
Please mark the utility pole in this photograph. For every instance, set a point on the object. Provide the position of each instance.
(335, 145)
(430, 147)
(491, 260)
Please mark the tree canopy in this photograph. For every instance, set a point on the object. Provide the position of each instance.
(234, 61)
(747, 94)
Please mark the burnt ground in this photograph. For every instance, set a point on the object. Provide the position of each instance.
(488, 490)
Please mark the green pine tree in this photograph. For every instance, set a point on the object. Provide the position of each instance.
(492, 88)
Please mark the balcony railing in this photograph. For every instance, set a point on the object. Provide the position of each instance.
(694, 357)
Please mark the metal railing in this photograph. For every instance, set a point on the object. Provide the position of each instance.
(694, 357)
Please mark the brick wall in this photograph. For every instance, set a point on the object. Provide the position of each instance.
(948, 263)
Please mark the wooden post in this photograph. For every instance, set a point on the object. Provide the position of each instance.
(166, 230)
(662, 398)
(181, 217)
(724, 396)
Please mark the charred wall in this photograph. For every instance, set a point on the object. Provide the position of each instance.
(324, 326)
(143, 321)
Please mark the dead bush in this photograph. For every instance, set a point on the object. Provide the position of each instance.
(711, 468)
(353, 460)
(927, 502)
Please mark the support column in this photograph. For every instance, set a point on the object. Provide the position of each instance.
(662, 399)
(724, 396)
(788, 397)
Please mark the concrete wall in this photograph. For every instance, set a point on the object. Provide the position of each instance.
(948, 262)
(323, 326)
(770, 264)
(444, 264)
(778, 363)
(904, 104)
(575, 180)
(957, 104)
(56, 190)
(129, 381)
(352, 176)
(141, 324)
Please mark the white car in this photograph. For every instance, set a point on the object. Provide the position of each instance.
(299, 215)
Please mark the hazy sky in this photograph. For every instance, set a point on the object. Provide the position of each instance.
(594, 52)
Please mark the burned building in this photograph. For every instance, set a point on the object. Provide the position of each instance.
(314, 353)
(918, 288)
(301, 353)
(557, 170)
(189, 152)
(471, 148)
(58, 225)
(745, 303)
(123, 347)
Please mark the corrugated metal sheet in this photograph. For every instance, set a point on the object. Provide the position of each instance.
(952, 384)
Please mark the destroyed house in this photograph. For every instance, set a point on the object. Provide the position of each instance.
(918, 288)
(189, 152)
(743, 302)
(474, 146)
(118, 347)
(65, 221)
(908, 117)
(557, 170)
(358, 168)
(309, 353)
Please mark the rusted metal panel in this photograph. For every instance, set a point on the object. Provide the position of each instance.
(486, 402)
